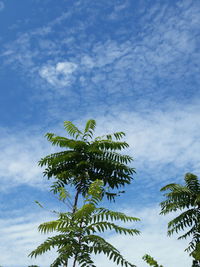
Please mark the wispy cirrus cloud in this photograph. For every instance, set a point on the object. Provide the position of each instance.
(2, 6)
(19, 236)
(163, 53)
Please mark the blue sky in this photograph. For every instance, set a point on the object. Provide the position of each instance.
(132, 66)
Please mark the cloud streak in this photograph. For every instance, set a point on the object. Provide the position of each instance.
(2, 6)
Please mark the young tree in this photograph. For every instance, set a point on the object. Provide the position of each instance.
(185, 198)
(78, 237)
(85, 159)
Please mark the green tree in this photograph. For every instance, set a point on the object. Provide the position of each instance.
(150, 260)
(78, 232)
(84, 159)
(185, 198)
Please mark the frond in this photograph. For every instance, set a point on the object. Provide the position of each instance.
(60, 260)
(105, 214)
(72, 129)
(50, 243)
(192, 183)
(110, 145)
(173, 205)
(176, 188)
(84, 258)
(99, 245)
(57, 225)
(113, 156)
(188, 233)
(89, 128)
(116, 135)
(103, 226)
(185, 198)
(185, 219)
(151, 261)
(60, 141)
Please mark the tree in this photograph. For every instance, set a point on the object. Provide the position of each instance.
(150, 260)
(85, 159)
(185, 198)
(78, 237)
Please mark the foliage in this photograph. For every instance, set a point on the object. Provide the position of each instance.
(150, 260)
(187, 199)
(85, 159)
(195, 263)
(78, 232)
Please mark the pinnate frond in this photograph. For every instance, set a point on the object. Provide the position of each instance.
(89, 129)
(100, 245)
(103, 226)
(192, 183)
(106, 214)
(72, 129)
(116, 135)
(110, 145)
(185, 219)
(151, 261)
(186, 198)
(50, 243)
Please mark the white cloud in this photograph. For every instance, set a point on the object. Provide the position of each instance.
(59, 75)
(2, 6)
(158, 138)
(20, 153)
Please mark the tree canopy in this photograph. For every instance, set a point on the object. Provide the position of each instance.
(84, 159)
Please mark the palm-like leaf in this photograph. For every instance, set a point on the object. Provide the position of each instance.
(72, 129)
(186, 198)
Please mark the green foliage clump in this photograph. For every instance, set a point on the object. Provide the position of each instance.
(84, 159)
(78, 232)
(184, 198)
(150, 260)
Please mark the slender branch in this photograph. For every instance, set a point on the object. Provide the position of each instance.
(79, 242)
(75, 202)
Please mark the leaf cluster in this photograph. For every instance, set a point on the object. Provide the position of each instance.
(85, 159)
(151, 261)
(78, 232)
(185, 198)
